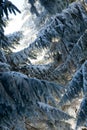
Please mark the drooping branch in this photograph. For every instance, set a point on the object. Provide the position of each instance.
(53, 113)
(18, 85)
(75, 59)
(65, 32)
(21, 96)
(74, 89)
(82, 113)
(78, 84)
(61, 73)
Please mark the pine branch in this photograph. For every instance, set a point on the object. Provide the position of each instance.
(56, 29)
(73, 89)
(82, 114)
(74, 60)
(5, 7)
(8, 6)
(53, 113)
(38, 71)
(13, 39)
(27, 91)
(77, 84)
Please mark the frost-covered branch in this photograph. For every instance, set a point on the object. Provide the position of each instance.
(53, 113)
(63, 29)
(74, 89)
(82, 114)
(20, 95)
(18, 85)
(78, 84)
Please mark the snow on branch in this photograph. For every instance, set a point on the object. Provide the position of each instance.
(63, 29)
(24, 91)
(74, 88)
(53, 113)
(82, 114)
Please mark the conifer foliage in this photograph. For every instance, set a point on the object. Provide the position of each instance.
(35, 93)
(6, 7)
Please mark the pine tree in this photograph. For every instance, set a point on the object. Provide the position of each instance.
(58, 79)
